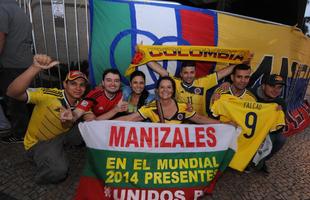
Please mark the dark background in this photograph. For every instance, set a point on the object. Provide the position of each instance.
(289, 12)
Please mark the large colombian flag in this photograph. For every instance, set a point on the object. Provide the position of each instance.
(117, 26)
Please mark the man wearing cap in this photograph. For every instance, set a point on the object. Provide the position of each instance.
(102, 103)
(270, 92)
(45, 138)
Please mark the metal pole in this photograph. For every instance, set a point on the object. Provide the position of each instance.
(87, 26)
(33, 35)
(25, 9)
(66, 36)
(44, 38)
(77, 35)
(56, 45)
(31, 21)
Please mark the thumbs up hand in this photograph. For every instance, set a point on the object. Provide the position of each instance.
(43, 61)
(121, 106)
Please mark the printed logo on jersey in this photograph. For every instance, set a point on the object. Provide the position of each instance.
(84, 103)
(197, 91)
(180, 116)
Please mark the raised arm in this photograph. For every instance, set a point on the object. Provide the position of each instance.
(157, 68)
(17, 89)
(225, 71)
(228, 70)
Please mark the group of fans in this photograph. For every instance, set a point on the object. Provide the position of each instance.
(54, 120)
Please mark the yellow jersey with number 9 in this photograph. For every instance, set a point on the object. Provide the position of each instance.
(255, 119)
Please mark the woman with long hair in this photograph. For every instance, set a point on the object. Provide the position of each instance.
(136, 95)
(166, 109)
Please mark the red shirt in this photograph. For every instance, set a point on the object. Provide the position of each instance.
(97, 101)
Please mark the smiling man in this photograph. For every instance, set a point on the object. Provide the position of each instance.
(270, 92)
(190, 89)
(240, 78)
(46, 134)
(103, 102)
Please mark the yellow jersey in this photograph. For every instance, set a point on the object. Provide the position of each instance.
(150, 112)
(246, 95)
(45, 119)
(255, 119)
(196, 92)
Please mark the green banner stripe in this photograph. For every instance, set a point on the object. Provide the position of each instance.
(104, 31)
(155, 170)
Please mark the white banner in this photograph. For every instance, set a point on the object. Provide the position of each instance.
(156, 137)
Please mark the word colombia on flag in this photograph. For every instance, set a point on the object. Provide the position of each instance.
(139, 160)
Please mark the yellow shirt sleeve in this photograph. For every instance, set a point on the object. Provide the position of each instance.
(208, 81)
(280, 122)
(35, 95)
(146, 111)
(176, 80)
(216, 94)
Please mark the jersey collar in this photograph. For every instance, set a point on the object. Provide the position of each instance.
(240, 96)
(67, 101)
(187, 85)
(174, 115)
(110, 98)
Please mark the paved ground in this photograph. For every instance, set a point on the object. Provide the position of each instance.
(289, 176)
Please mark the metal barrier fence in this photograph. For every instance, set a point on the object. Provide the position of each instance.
(60, 30)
